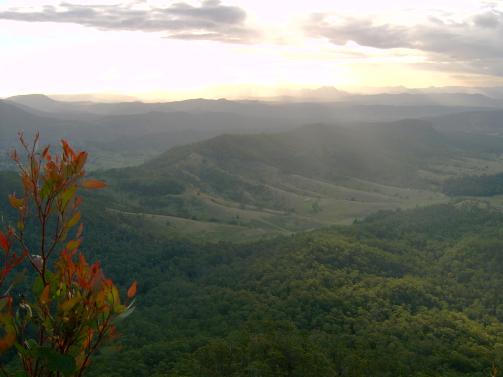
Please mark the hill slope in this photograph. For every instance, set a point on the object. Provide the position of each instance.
(409, 293)
(482, 122)
(300, 179)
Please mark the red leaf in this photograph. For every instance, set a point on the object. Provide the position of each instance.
(4, 242)
(93, 184)
(131, 292)
(68, 151)
(81, 160)
(45, 153)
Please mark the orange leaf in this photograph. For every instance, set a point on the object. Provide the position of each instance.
(69, 304)
(4, 242)
(45, 153)
(7, 341)
(44, 296)
(80, 230)
(93, 184)
(131, 292)
(15, 202)
(77, 202)
(72, 245)
(27, 183)
(88, 339)
(80, 160)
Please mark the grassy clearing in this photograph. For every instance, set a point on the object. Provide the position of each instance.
(300, 203)
(313, 204)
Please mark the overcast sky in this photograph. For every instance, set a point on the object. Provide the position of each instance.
(177, 49)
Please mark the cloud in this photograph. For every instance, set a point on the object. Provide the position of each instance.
(211, 20)
(361, 31)
(475, 42)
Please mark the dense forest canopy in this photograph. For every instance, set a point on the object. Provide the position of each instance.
(405, 293)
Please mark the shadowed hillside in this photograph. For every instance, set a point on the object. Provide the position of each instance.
(300, 179)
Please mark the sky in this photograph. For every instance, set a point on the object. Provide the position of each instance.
(163, 49)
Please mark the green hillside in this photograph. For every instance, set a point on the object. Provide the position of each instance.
(314, 176)
(413, 293)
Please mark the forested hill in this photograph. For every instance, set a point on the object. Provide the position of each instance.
(237, 166)
(485, 122)
(323, 151)
(413, 293)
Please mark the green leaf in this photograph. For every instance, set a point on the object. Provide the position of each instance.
(23, 351)
(69, 304)
(74, 220)
(67, 195)
(31, 344)
(72, 245)
(124, 315)
(3, 302)
(20, 277)
(46, 189)
(56, 361)
(38, 286)
(63, 363)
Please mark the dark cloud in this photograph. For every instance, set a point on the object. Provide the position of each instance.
(475, 42)
(489, 20)
(211, 20)
(361, 31)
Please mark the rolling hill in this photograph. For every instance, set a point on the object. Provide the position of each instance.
(475, 122)
(300, 179)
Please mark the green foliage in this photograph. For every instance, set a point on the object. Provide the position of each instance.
(408, 293)
(474, 185)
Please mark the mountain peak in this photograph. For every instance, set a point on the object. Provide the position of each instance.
(39, 102)
(30, 97)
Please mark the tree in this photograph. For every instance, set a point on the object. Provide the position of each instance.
(71, 309)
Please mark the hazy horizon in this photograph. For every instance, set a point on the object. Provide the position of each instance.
(167, 50)
(324, 93)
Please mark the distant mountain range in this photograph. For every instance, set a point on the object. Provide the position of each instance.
(311, 100)
(128, 133)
